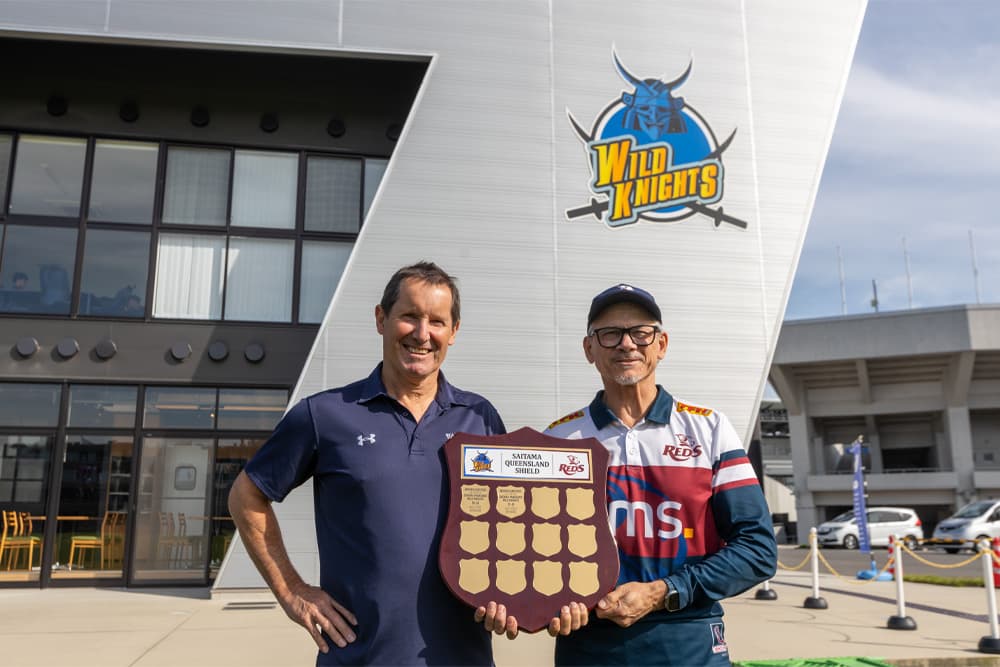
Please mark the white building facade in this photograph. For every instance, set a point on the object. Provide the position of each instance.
(516, 159)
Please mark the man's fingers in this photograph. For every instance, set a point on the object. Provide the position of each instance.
(511, 627)
(480, 614)
(336, 622)
(314, 632)
(578, 615)
(500, 620)
(345, 612)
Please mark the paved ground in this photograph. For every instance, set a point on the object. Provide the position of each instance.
(185, 628)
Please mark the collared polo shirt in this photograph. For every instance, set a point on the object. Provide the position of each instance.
(380, 491)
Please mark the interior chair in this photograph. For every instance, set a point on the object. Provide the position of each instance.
(167, 540)
(188, 547)
(14, 541)
(28, 533)
(80, 544)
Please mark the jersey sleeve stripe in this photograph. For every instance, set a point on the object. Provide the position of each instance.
(735, 485)
(730, 474)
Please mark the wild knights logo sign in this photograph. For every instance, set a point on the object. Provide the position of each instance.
(653, 157)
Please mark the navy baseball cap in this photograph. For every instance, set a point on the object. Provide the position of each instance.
(623, 293)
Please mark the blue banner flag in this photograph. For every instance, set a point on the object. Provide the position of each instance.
(858, 493)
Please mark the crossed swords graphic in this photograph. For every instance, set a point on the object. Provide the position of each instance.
(598, 206)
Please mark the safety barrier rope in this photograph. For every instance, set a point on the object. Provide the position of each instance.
(941, 566)
(851, 580)
(797, 567)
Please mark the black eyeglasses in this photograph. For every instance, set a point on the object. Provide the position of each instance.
(642, 335)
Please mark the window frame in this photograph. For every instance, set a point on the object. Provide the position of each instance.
(298, 234)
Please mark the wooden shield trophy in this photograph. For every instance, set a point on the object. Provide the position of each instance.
(527, 524)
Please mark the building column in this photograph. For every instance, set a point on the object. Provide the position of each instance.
(800, 438)
(874, 444)
(960, 437)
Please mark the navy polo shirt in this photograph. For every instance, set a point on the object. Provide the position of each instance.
(380, 491)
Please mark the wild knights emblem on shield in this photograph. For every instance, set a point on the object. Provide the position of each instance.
(527, 524)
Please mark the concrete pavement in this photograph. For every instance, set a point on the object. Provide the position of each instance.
(187, 628)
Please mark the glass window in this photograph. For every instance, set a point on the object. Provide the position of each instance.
(24, 465)
(259, 279)
(179, 407)
(189, 275)
(374, 171)
(6, 141)
(97, 406)
(48, 176)
(113, 281)
(251, 409)
(93, 506)
(231, 457)
(124, 181)
(29, 404)
(38, 264)
(172, 522)
(333, 194)
(197, 186)
(322, 266)
(265, 187)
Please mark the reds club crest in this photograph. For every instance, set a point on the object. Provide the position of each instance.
(653, 157)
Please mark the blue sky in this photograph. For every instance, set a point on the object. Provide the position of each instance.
(915, 154)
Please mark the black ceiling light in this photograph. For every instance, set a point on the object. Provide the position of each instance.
(57, 105)
(105, 349)
(254, 353)
(26, 346)
(393, 131)
(128, 111)
(218, 351)
(269, 122)
(336, 128)
(200, 116)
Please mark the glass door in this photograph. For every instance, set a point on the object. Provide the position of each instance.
(231, 457)
(93, 507)
(173, 523)
(24, 480)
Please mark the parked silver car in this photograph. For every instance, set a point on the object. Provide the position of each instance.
(842, 530)
(968, 526)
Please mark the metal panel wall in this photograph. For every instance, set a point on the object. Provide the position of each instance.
(488, 164)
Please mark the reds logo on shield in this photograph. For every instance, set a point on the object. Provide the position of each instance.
(685, 449)
(573, 466)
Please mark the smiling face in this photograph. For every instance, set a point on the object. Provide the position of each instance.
(416, 332)
(626, 364)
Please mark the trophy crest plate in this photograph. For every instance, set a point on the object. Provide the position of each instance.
(527, 524)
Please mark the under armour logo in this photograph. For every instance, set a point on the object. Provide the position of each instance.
(366, 440)
(449, 436)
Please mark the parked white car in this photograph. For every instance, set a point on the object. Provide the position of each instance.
(842, 530)
(969, 525)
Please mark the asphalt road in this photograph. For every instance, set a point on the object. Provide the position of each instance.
(850, 562)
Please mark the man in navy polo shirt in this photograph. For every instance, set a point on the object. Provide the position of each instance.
(373, 450)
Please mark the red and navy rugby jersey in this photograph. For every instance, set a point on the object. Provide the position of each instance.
(683, 500)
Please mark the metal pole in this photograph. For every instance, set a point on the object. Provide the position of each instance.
(990, 644)
(900, 621)
(874, 295)
(814, 601)
(975, 268)
(909, 284)
(765, 592)
(843, 290)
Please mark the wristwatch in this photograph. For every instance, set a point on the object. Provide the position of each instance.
(672, 599)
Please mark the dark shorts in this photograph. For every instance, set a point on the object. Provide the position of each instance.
(690, 643)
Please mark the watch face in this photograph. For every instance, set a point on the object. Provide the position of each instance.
(673, 600)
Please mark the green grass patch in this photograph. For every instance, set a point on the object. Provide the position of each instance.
(959, 582)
